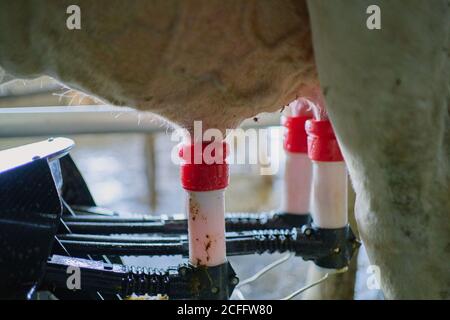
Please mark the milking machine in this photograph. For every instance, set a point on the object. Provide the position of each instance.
(51, 226)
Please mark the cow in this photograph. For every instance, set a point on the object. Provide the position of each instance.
(386, 90)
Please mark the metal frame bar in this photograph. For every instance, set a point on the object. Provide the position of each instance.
(91, 119)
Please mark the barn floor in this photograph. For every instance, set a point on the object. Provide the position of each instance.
(116, 171)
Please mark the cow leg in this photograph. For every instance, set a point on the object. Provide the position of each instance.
(387, 94)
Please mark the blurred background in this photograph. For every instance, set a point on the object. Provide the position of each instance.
(125, 157)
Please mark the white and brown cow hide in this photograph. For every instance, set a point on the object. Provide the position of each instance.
(387, 92)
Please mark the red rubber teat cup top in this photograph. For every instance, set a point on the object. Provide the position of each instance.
(204, 166)
(322, 143)
(295, 138)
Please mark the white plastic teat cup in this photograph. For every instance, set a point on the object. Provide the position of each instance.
(329, 182)
(205, 183)
(298, 167)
